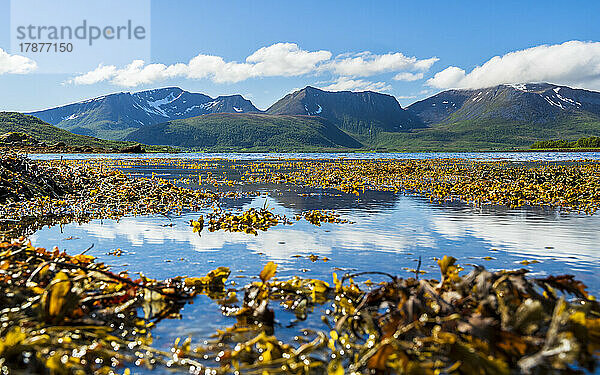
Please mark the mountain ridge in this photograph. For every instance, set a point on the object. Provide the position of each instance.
(115, 115)
(537, 102)
(362, 112)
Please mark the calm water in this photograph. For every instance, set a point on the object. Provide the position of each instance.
(516, 156)
(390, 232)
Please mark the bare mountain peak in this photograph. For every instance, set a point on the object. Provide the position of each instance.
(357, 112)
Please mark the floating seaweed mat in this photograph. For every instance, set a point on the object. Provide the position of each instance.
(69, 314)
(574, 186)
(571, 186)
(253, 220)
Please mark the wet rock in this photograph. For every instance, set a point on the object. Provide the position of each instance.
(13, 137)
(134, 149)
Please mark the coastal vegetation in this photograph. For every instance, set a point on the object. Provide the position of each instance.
(247, 132)
(585, 143)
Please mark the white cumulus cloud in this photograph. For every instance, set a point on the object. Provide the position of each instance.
(367, 64)
(286, 59)
(349, 84)
(280, 59)
(408, 76)
(573, 63)
(15, 64)
(277, 60)
(101, 73)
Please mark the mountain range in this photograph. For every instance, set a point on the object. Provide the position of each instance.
(116, 115)
(499, 117)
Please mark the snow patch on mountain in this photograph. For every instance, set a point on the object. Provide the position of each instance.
(553, 103)
(518, 86)
(319, 110)
(157, 104)
(72, 117)
(209, 105)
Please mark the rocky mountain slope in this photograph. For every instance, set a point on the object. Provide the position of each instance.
(500, 117)
(364, 112)
(537, 103)
(114, 116)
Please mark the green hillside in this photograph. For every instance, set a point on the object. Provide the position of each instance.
(486, 134)
(247, 132)
(44, 132)
(11, 122)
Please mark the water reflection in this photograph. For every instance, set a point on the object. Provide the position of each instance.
(521, 156)
(386, 237)
(564, 237)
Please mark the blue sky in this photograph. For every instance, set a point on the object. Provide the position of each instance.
(461, 34)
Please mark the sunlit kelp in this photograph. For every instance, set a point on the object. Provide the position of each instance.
(64, 314)
(68, 314)
(249, 221)
(253, 220)
(571, 186)
(483, 322)
(575, 186)
(34, 194)
(316, 217)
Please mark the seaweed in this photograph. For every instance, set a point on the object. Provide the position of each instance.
(69, 314)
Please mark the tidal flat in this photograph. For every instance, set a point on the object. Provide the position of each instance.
(299, 265)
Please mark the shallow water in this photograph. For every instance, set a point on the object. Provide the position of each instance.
(515, 156)
(391, 231)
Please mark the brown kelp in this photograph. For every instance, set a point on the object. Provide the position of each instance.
(481, 323)
(22, 179)
(253, 220)
(33, 192)
(66, 314)
(69, 314)
(568, 185)
(316, 217)
(574, 186)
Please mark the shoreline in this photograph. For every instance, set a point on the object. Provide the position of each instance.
(183, 152)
